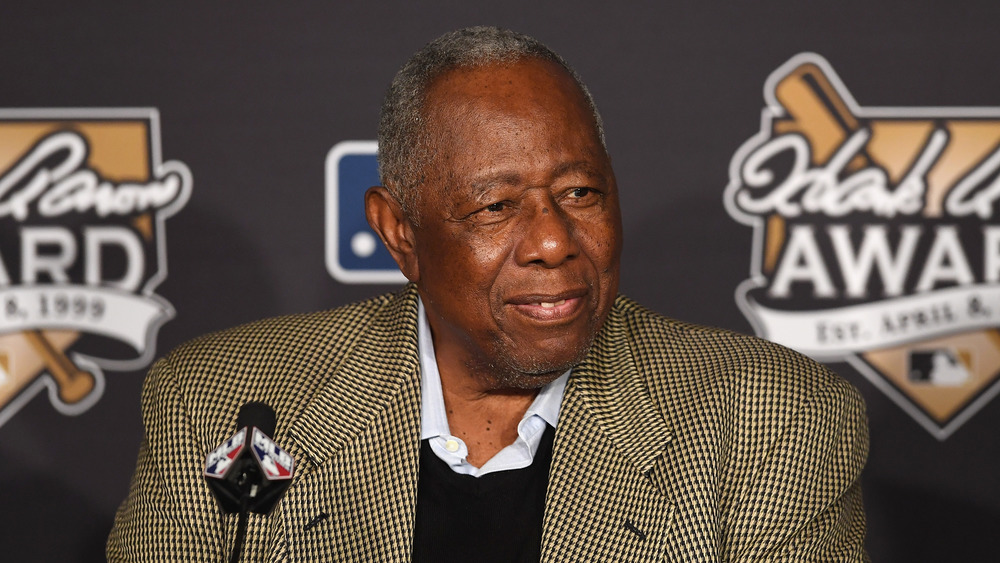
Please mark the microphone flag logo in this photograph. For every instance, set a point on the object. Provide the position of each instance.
(275, 462)
(219, 461)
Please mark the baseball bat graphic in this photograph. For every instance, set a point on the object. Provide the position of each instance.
(822, 116)
(74, 383)
(818, 110)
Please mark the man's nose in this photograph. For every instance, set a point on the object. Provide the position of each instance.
(548, 237)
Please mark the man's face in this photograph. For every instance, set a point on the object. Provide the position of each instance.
(519, 234)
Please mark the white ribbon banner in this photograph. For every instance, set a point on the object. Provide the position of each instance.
(830, 334)
(98, 310)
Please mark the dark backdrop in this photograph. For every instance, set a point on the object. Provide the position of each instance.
(252, 95)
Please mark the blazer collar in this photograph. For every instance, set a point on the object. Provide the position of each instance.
(615, 394)
(606, 497)
(371, 373)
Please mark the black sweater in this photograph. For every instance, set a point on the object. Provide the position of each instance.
(493, 518)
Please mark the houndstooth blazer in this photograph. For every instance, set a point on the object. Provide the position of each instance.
(675, 442)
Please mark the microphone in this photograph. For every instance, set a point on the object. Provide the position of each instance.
(249, 472)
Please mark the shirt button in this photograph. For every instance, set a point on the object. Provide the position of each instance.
(451, 446)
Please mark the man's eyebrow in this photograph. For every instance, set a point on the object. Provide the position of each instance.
(484, 184)
(581, 166)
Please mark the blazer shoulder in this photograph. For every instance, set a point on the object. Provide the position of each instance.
(282, 361)
(683, 356)
(286, 333)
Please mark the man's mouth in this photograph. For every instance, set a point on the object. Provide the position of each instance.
(550, 309)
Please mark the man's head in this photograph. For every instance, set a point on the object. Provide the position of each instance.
(403, 148)
(514, 237)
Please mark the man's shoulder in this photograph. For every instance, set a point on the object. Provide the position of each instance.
(288, 332)
(280, 356)
(698, 343)
(678, 357)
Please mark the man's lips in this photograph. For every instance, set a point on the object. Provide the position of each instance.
(549, 307)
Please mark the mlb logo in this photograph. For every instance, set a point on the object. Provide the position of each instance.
(354, 253)
(940, 366)
(275, 462)
(220, 460)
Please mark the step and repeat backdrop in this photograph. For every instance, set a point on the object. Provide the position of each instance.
(827, 177)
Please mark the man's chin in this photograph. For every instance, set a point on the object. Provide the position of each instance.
(521, 372)
(528, 381)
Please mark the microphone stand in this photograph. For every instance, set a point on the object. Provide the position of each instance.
(241, 525)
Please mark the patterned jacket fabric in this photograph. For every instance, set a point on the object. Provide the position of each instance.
(675, 443)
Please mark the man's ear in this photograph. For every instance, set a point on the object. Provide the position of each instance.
(386, 217)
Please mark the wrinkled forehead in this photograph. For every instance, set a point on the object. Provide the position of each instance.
(530, 89)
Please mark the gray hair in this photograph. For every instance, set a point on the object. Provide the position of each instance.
(403, 145)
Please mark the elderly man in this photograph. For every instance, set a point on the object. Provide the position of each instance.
(505, 405)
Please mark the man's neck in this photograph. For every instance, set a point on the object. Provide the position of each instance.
(485, 420)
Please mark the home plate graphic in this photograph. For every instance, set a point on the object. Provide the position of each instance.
(84, 196)
(875, 239)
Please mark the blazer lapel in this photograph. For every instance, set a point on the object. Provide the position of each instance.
(603, 501)
(357, 449)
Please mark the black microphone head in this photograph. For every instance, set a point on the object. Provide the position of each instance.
(257, 414)
(249, 471)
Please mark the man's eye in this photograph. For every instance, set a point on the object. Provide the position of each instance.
(580, 193)
(495, 212)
